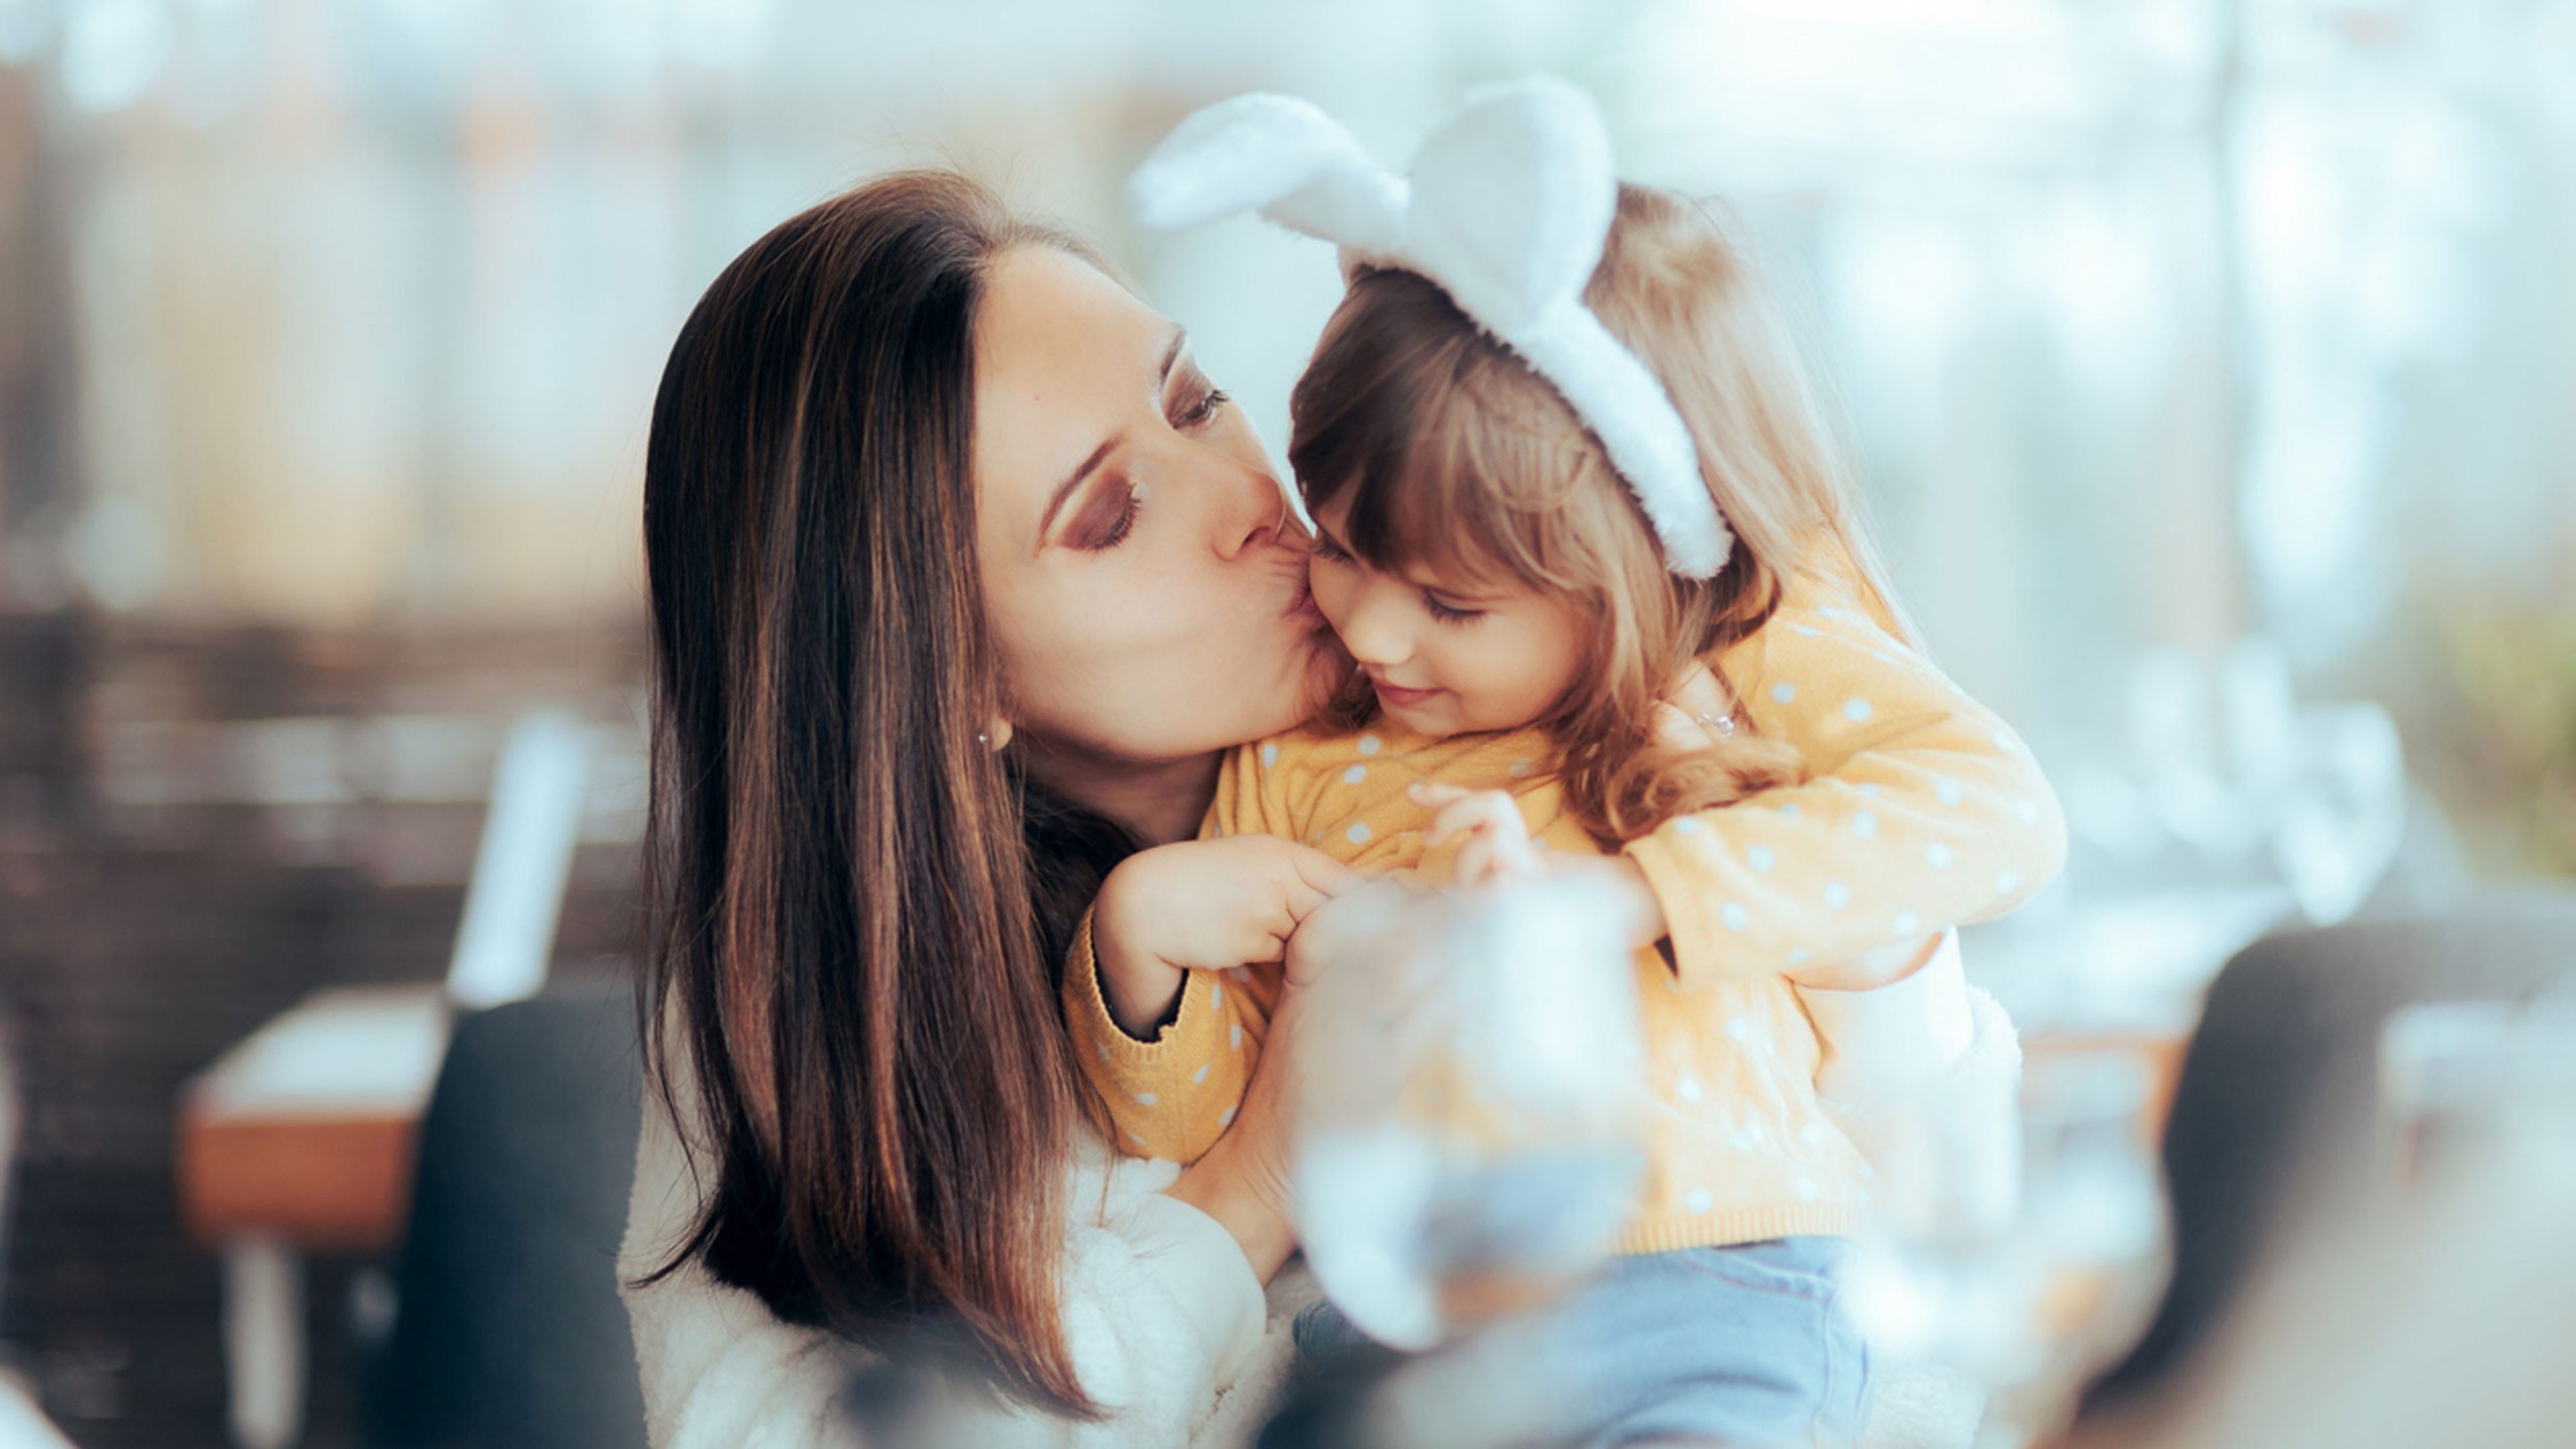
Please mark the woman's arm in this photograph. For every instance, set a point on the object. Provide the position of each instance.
(1242, 1181)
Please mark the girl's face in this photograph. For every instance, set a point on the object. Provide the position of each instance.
(1447, 656)
(1143, 575)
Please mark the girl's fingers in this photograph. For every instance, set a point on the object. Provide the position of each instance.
(1695, 691)
(1433, 796)
(1470, 812)
(1677, 729)
(1321, 873)
(1681, 719)
(1494, 855)
(1475, 864)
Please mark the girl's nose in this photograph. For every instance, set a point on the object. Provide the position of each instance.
(1373, 633)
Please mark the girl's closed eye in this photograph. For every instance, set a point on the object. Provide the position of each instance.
(1447, 612)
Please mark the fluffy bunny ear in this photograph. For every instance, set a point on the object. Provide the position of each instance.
(1280, 156)
(1513, 199)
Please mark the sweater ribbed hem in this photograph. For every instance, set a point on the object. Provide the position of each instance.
(1160, 1056)
(1729, 1226)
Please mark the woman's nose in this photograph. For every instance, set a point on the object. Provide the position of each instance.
(1254, 514)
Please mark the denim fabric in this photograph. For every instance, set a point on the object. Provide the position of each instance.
(1741, 1346)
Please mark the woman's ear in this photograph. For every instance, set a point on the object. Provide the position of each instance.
(996, 736)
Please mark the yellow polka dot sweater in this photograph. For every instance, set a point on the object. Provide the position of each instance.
(1920, 811)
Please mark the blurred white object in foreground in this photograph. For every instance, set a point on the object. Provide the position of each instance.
(2028, 1293)
(1466, 1140)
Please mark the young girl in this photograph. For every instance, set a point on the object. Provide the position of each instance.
(1521, 577)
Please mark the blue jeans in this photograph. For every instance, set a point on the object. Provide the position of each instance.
(1743, 1346)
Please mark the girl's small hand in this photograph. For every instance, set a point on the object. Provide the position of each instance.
(1695, 712)
(1204, 905)
(1497, 839)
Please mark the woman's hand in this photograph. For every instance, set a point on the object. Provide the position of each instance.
(1242, 1181)
(1205, 905)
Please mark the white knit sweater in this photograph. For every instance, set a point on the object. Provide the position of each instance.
(1166, 1322)
(1167, 1325)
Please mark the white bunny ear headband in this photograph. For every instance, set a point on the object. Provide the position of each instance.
(1507, 209)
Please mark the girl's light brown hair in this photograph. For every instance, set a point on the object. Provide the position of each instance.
(1454, 456)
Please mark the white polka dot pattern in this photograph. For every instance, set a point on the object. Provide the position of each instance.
(1885, 737)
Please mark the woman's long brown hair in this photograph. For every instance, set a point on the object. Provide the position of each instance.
(1452, 453)
(850, 987)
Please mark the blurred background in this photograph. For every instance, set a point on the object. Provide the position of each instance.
(2211, 366)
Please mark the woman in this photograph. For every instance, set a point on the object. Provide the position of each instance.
(962, 574)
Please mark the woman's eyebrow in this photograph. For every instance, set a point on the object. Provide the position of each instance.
(1064, 490)
(1172, 345)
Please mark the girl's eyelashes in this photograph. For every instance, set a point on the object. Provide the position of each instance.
(1329, 551)
(1448, 613)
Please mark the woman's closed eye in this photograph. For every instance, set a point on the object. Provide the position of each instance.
(1107, 516)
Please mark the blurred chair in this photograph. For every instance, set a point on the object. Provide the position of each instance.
(508, 1330)
(2275, 1113)
(22, 1424)
(301, 1136)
